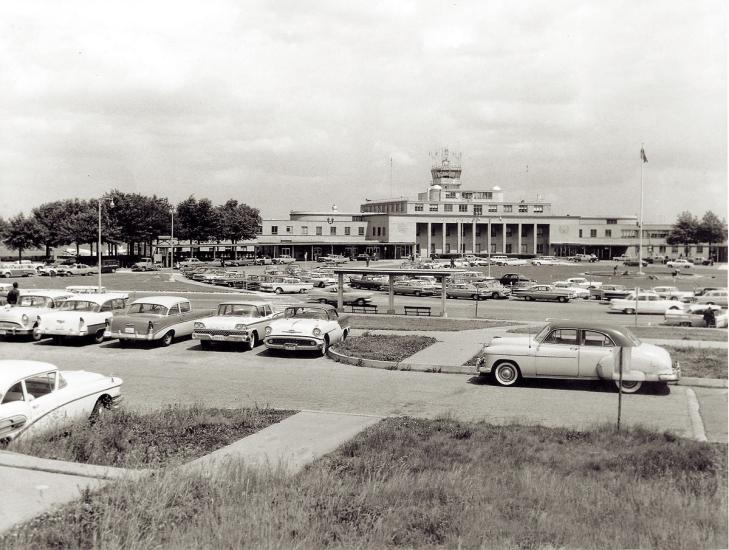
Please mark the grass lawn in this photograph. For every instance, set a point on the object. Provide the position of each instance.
(172, 435)
(700, 362)
(384, 347)
(408, 483)
(381, 322)
(665, 333)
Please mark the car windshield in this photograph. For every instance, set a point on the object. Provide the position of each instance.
(305, 313)
(35, 301)
(238, 310)
(157, 309)
(79, 305)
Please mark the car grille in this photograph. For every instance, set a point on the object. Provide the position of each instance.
(9, 325)
(218, 332)
(296, 341)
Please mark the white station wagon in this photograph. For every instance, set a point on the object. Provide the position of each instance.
(35, 396)
(235, 321)
(83, 316)
(306, 327)
(647, 302)
(22, 319)
(288, 285)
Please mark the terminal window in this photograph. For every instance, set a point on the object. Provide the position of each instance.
(304, 229)
(593, 232)
(493, 208)
(477, 209)
(274, 230)
(433, 207)
(347, 230)
(538, 209)
(318, 229)
(418, 207)
(523, 208)
(608, 232)
(463, 208)
(447, 208)
(508, 208)
(332, 230)
(360, 231)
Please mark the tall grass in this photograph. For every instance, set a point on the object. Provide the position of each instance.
(700, 362)
(408, 483)
(171, 435)
(384, 347)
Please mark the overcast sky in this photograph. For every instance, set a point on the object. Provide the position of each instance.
(291, 105)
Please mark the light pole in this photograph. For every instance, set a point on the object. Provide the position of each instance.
(172, 238)
(98, 245)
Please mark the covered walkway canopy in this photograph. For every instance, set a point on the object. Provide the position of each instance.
(439, 274)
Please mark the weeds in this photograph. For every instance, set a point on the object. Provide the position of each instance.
(383, 347)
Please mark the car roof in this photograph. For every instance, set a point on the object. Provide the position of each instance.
(313, 305)
(48, 293)
(99, 298)
(166, 301)
(616, 332)
(244, 303)
(12, 370)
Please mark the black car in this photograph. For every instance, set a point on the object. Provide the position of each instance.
(511, 279)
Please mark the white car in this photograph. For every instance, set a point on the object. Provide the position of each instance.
(713, 297)
(577, 291)
(75, 269)
(583, 350)
(311, 327)
(330, 295)
(86, 289)
(673, 293)
(584, 283)
(679, 264)
(647, 302)
(36, 396)
(22, 319)
(286, 285)
(544, 260)
(236, 322)
(16, 270)
(693, 316)
(284, 259)
(83, 316)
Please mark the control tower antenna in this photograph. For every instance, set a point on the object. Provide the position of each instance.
(391, 177)
(446, 169)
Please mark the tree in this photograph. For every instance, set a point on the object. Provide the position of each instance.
(685, 230)
(50, 217)
(196, 220)
(21, 234)
(3, 227)
(80, 222)
(711, 230)
(137, 218)
(237, 221)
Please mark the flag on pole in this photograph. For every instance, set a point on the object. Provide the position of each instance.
(642, 155)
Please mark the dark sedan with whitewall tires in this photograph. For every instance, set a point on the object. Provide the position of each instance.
(578, 350)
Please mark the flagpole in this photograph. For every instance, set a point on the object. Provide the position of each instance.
(640, 226)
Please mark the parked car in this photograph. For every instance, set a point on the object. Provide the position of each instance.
(499, 260)
(83, 316)
(86, 289)
(544, 260)
(583, 282)
(373, 282)
(189, 263)
(693, 316)
(494, 289)
(308, 327)
(511, 279)
(109, 266)
(679, 264)
(365, 257)
(155, 318)
(633, 262)
(608, 292)
(145, 264)
(542, 293)
(330, 295)
(333, 259)
(647, 302)
(585, 258)
(673, 293)
(413, 287)
(576, 290)
(287, 285)
(713, 297)
(36, 396)
(283, 259)
(584, 350)
(467, 290)
(22, 319)
(16, 270)
(235, 322)
(67, 270)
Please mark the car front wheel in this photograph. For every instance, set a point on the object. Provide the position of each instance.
(167, 338)
(629, 311)
(506, 373)
(253, 342)
(325, 347)
(99, 336)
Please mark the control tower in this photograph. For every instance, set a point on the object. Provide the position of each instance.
(446, 169)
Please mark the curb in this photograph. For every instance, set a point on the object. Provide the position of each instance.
(29, 462)
(703, 382)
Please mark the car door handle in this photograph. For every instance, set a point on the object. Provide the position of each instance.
(574, 348)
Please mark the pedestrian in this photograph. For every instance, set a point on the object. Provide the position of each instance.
(674, 273)
(615, 270)
(368, 260)
(709, 317)
(453, 262)
(13, 293)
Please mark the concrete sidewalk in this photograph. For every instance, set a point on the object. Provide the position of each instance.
(32, 486)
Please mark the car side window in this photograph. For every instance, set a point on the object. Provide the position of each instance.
(174, 310)
(184, 307)
(562, 336)
(106, 306)
(15, 393)
(39, 385)
(596, 339)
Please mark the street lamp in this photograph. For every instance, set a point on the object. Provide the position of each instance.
(98, 245)
(172, 238)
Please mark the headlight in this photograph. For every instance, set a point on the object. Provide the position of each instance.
(24, 318)
(197, 326)
(316, 332)
(239, 326)
(267, 331)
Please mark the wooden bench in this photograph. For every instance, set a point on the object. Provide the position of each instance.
(365, 308)
(420, 311)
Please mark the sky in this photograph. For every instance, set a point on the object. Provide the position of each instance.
(289, 105)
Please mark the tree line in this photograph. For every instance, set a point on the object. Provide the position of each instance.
(689, 229)
(128, 218)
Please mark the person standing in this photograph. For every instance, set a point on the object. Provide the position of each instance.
(13, 294)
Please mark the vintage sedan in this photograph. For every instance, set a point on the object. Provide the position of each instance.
(495, 289)
(36, 396)
(584, 283)
(608, 292)
(236, 322)
(86, 289)
(467, 290)
(584, 350)
(330, 295)
(83, 316)
(16, 270)
(693, 316)
(413, 287)
(713, 297)
(286, 285)
(646, 302)
(22, 319)
(67, 270)
(312, 327)
(155, 318)
(577, 291)
(673, 293)
(679, 264)
(372, 282)
(542, 293)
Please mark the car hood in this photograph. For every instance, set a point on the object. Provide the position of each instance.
(76, 377)
(228, 321)
(509, 342)
(8, 313)
(295, 325)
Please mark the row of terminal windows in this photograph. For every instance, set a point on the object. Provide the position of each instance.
(478, 208)
(379, 231)
(319, 229)
(385, 208)
(525, 232)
